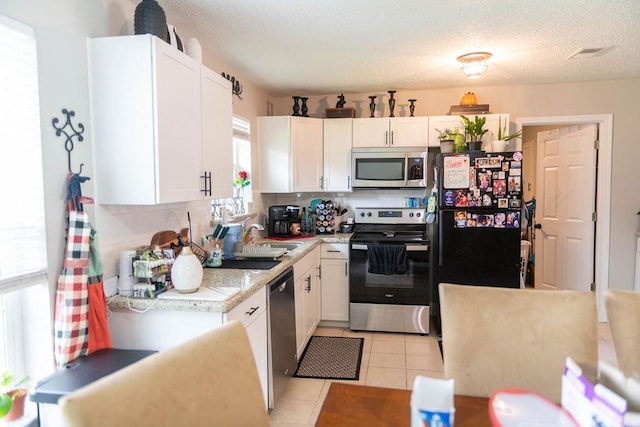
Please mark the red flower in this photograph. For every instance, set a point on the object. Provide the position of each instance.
(242, 175)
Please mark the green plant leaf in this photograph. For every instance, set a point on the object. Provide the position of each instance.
(6, 402)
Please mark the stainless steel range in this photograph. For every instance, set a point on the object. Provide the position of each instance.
(389, 271)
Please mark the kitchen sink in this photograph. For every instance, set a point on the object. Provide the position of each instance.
(249, 264)
(287, 246)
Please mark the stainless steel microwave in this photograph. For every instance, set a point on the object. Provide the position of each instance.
(389, 167)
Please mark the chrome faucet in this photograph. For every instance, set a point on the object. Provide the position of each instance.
(248, 238)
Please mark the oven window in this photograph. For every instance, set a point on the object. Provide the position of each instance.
(388, 169)
(409, 288)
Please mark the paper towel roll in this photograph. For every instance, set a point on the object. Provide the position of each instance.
(126, 279)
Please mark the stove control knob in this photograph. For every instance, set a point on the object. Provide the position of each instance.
(410, 214)
(418, 214)
(369, 214)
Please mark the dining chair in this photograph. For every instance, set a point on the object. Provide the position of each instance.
(209, 380)
(495, 338)
(623, 311)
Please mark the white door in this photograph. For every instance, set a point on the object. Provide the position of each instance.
(564, 241)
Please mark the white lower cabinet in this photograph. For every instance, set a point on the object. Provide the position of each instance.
(253, 315)
(335, 281)
(307, 294)
(132, 330)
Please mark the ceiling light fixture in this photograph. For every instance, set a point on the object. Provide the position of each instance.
(474, 64)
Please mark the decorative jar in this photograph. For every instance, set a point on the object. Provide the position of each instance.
(186, 271)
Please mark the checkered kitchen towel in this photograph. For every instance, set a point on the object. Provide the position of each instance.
(72, 305)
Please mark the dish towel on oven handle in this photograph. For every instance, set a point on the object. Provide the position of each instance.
(387, 259)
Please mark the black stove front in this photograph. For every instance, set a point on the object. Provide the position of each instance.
(389, 271)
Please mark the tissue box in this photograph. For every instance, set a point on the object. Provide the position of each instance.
(588, 403)
(432, 402)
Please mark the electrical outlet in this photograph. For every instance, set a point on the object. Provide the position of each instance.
(110, 286)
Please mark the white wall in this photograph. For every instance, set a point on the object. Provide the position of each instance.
(602, 97)
(61, 29)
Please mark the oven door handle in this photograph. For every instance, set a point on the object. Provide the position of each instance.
(410, 248)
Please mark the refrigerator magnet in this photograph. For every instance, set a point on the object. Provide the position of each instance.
(500, 220)
(514, 184)
(461, 198)
(485, 180)
(449, 198)
(472, 222)
(486, 200)
(499, 187)
(513, 220)
(514, 203)
(503, 203)
(485, 220)
(517, 156)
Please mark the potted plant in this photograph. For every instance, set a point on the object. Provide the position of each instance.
(12, 396)
(501, 143)
(446, 140)
(474, 131)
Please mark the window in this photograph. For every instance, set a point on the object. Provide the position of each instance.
(25, 321)
(242, 152)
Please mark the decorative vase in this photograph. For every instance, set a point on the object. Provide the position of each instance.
(459, 145)
(149, 18)
(498, 145)
(296, 106)
(186, 272)
(193, 49)
(372, 105)
(392, 102)
(446, 146)
(304, 109)
(174, 39)
(412, 107)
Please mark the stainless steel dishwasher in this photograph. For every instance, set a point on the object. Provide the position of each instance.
(282, 335)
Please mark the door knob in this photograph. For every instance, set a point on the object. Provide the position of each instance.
(538, 226)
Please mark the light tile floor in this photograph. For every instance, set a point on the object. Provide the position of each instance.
(388, 360)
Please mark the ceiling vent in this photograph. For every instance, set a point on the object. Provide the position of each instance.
(588, 52)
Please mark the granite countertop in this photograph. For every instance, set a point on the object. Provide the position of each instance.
(218, 283)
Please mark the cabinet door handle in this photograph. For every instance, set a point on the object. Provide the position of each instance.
(207, 183)
(386, 137)
(253, 310)
(322, 181)
(308, 287)
(391, 141)
(319, 271)
(333, 250)
(346, 269)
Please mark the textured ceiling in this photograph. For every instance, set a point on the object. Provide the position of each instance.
(328, 46)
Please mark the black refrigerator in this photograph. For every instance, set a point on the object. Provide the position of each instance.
(478, 217)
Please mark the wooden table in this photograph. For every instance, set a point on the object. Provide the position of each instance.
(357, 405)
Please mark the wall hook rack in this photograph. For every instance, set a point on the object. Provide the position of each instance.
(236, 87)
(70, 132)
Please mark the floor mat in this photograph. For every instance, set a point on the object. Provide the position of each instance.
(331, 358)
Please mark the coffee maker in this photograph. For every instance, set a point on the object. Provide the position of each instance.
(284, 220)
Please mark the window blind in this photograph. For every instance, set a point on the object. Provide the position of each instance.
(23, 257)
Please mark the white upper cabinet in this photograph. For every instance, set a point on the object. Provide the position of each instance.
(451, 122)
(391, 132)
(290, 154)
(146, 108)
(337, 154)
(217, 133)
